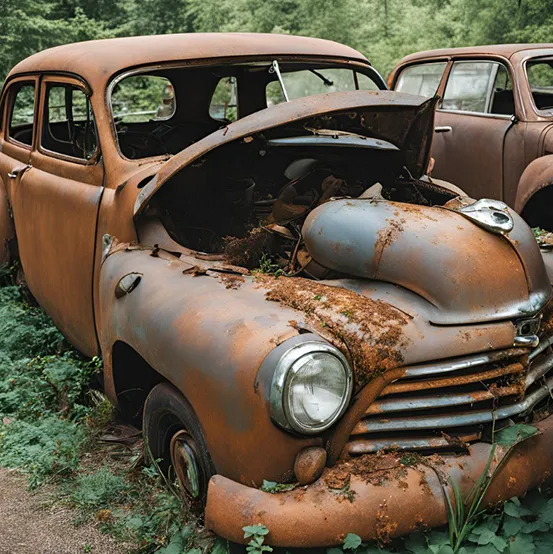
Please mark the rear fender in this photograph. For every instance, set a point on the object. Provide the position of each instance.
(537, 176)
(6, 226)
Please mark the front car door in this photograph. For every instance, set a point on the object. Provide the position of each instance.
(474, 122)
(55, 207)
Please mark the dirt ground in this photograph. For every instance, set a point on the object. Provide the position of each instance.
(31, 524)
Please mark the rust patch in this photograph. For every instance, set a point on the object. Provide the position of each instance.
(231, 281)
(385, 527)
(375, 469)
(370, 331)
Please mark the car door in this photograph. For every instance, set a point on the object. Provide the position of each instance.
(474, 121)
(476, 113)
(55, 206)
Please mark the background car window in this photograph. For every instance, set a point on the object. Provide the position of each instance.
(223, 106)
(23, 113)
(69, 127)
(482, 87)
(143, 98)
(319, 81)
(540, 79)
(421, 79)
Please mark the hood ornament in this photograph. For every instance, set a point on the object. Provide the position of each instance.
(492, 215)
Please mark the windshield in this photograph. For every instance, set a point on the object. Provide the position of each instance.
(309, 82)
(540, 79)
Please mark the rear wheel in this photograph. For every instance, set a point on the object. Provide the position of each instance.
(174, 437)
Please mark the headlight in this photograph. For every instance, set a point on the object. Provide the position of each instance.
(311, 387)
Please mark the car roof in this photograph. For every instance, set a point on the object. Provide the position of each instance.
(505, 50)
(96, 61)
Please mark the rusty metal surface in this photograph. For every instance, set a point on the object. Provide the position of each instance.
(387, 498)
(505, 50)
(377, 240)
(98, 60)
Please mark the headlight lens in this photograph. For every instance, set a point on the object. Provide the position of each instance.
(311, 387)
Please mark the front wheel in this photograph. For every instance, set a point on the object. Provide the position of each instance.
(173, 436)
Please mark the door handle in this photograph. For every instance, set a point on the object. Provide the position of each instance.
(443, 129)
(14, 173)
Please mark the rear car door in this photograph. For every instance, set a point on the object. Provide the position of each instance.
(55, 207)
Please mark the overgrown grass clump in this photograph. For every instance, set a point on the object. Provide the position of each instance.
(51, 420)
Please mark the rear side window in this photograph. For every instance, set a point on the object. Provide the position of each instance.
(143, 98)
(481, 87)
(223, 106)
(69, 127)
(421, 79)
(540, 79)
(22, 114)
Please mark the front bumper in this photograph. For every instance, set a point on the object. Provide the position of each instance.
(385, 496)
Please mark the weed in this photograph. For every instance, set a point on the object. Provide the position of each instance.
(257, 534)
(272, 487)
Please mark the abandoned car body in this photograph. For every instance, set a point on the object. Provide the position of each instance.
(375, 327)
(493, 124)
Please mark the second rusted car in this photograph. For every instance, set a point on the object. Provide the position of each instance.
(494, 122)
(241, 226)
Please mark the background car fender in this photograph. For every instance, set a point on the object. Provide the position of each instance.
(537, 176)
(208, 337)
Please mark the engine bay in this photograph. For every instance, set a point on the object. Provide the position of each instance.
(246, 203)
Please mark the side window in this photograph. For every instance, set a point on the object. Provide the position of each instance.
(481, 87)
(69, 127)
(223, 106)
(143, 98)
(422, 79)
(22, 115)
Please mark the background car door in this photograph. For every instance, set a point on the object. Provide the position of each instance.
(474, 123)
(55, 206)
(471, 125)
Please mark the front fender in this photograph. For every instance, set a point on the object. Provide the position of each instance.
(208, 336)
(537, 175)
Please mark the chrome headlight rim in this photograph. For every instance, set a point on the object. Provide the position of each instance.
(286, 368)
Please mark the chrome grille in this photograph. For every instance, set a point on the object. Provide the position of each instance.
(447, 403)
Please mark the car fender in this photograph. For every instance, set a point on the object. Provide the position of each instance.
(537, 176)
(208, 335)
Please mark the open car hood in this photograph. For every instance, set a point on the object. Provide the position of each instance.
(404, 120)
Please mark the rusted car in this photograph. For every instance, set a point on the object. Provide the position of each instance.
(493, 123)
(240, 225)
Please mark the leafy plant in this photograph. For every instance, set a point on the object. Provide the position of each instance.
(257, 534)
(273, 487)
(464, 513)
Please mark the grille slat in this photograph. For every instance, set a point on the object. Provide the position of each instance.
(449, 396)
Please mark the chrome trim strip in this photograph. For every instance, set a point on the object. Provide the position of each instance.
(444, 421)
(456, 364)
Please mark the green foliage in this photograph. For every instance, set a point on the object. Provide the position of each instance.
(273, 487)
(256, 534)
(97, 490)
(351, 542)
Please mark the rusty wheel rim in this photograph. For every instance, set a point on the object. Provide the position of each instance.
(184, 459)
